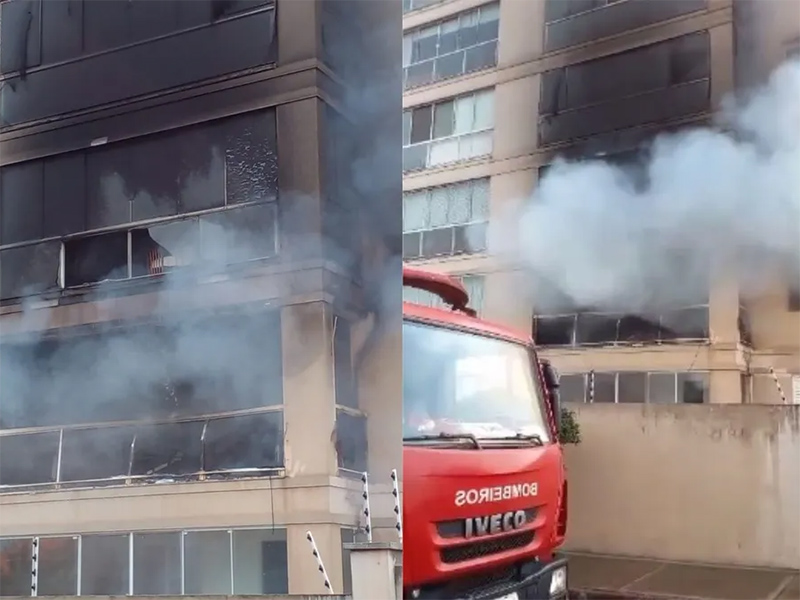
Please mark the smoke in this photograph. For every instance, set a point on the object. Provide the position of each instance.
(723, 199)
(167, 348)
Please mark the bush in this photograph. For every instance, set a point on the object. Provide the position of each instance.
(570, 432)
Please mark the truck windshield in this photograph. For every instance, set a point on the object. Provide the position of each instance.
(457, 383)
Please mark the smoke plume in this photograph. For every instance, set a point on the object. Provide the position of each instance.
(722, 199)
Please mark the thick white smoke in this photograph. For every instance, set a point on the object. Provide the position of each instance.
(726, 197)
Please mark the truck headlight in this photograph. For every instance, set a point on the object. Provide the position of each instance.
(558, 582)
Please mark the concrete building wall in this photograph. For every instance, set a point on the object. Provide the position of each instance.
(715, 484)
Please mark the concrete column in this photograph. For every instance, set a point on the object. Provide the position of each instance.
(377, 570)
(298, 31)
(308, 392)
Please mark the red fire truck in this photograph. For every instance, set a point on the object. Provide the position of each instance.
(485, 491)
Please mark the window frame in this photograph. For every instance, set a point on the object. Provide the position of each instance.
(676, 385)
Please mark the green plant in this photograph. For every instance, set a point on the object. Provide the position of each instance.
(570, 430)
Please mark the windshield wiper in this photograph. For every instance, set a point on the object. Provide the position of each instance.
(534, 438)
(445, 437)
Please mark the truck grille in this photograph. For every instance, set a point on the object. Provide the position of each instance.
(473, 550)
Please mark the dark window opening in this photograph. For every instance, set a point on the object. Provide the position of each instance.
(21, 202)
(168, 450)
(58, 566)
(661, 388)
(692, 388)
(632, 387)
(346, 392)
(163, 248)
(411, 245)
(92, 454)
(157, 564)
(687, 323)
(638, 329)
(245, 442)
(15, 566)
(351, 441)
(436, 242)
(28, 458)
(104, 565)
(260, 562)
(20, 30)
(554, 331)
(596, 329)
(96, 259)
(793, 300)
(29, 270)
(745, 329)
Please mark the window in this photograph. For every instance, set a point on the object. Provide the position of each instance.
(58, 566)
(207, 560)
(650, 84)
(579, 329)
(27, 459)
(260, 562)
(446, 220)
(29, 270)
(635, 387)
(15, 574)
(409, 5)
(156, 563)
(105, 568)
(451, 48)
(572, 22)
(344, 377)
(448, 131)
(20, 32)
(248, 442)
(351, 440)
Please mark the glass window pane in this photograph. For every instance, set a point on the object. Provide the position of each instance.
(632, 387)
(465, 114)
(424, 45)
(489, 13)
(439, 201)
(443, 120)
(480, 144)
(260, 562)
(91, 454)
(572, 388)
(605, 386)
(484, 111)
(104, 565)
(406, 127)
(207, 562)
(157, 563)
(167, 450)
(416, 211)
(411, 245)
(15, 567)
(480, 57)
(29, 270)
(250, 162)
(437, 242)
(475, 288)
(419, 74)
(58, 566)
(450, 65)
(444, 152)
(251, 442)
(238, 235)
(351, 441)
(415, 157)
(661, 388)
(421, 120)
(459, 205)
(448, 40)
(480, 199)
(407, 44)
(28, 459)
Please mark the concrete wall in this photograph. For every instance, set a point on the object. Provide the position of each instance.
(716, 484)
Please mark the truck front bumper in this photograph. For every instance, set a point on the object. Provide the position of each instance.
(533, 580)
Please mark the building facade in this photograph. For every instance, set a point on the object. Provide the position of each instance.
(196, 271)
(494, 91)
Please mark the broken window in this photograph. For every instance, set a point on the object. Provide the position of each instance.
(572, 388)
(554, 331)
(251, 163)
(171, 449)
(238, 235)
(15, 566)
(683, 324)
(745, 329)
(692, 388)
(605, 387)
(344, 378)
(661, 388)
(29, 270)
(28, 458)
(58, 566)
(104, 565)
(632, 387)
(260, 562)
(244, 442)
(96, 258)
(157, 564)
(351, 441)
(207, 563)
(596, 329)
(92, 454)
(163, 248)
(633, 329)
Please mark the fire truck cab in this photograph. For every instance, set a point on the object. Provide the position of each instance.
(485, 490)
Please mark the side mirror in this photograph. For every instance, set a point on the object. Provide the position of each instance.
(551, 383)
